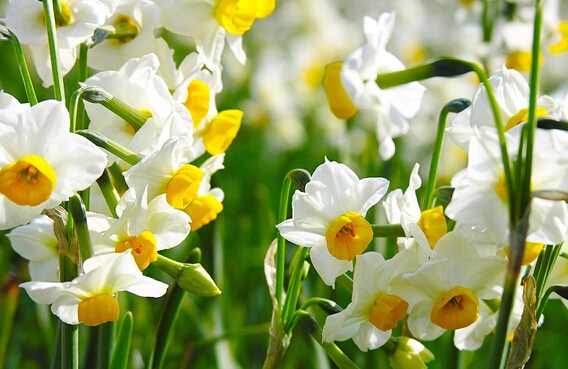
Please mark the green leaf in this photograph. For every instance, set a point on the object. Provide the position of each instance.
(121, 351)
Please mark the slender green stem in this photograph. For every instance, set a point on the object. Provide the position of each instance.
(389, 230)
(281, 242)
(79, 214)
(520, 204)
(330, 307)
(111, 146)
(105, 344)
(22, 65)
(330, 348)
(295, 284)
(109, 192)
(69, 333)
(121, 352)
(170, 313)
(59, 89)
(454, 106)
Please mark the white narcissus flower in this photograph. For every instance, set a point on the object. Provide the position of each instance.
(480, 196)
(423, 227)
(392, 106)
(208, 202)
(373, 312)
(211, 22)
(511, 92)
(26, 19)
(444, 293)
(141, 18)
(89, 298)
(36, 242)
(41, 162)
(329, 217)
(137, 85)
(167, 170)
(142, 225)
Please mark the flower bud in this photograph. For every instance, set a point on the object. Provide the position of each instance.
(410, 354)
(195, 279)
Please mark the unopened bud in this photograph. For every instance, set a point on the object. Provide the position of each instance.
(195, 279)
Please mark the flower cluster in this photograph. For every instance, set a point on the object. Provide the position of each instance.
(152, 140)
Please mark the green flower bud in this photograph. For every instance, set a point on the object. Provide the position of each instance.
(410, 354)
(195, 279)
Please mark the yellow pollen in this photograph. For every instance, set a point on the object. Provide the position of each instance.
(220, 132)
(203, 210)
(458, 308)
(562, 45)
(28, 181)
(235, 16)
(183, 186)
(523, 116)
(143, 248)
(339, 101)
(433, 224)
(197, 102)
(348, 236)
(531, 252)
(521, 61)
(387, 311)
(98, 309)
(126, 30)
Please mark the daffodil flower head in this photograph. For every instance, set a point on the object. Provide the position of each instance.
(41, 162)
(144, 226)
(391, 107)
(90, 298)
(445, 292)
(208, 202)
(329, 217)
(373, 312)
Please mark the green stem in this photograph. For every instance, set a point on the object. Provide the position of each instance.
(79, 214)
(295, 284)
(170, 313)
(109, 192)
(111, 146)
(104, 344)
(330, 307)
(330, 348)
(389, 230)
(281, 242)
(59, 89)
(519, 205)
(454, 106)
(22, 65)
(69, 333)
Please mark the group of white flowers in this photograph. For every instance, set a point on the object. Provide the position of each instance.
(160, 118)
(444, 277)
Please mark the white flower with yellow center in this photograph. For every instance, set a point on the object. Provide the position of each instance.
(373, 312)
(144, 226)
(512, 95)
(37, 243)
(90, 298)
(137, 19)
(41, 163)
(79, 20)
(137, 85)
(424, 228)
(391, 107)
(208, 202)
(329, 217)
(444, 293)
(480, 196)
(211, 22)
(168, 170)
